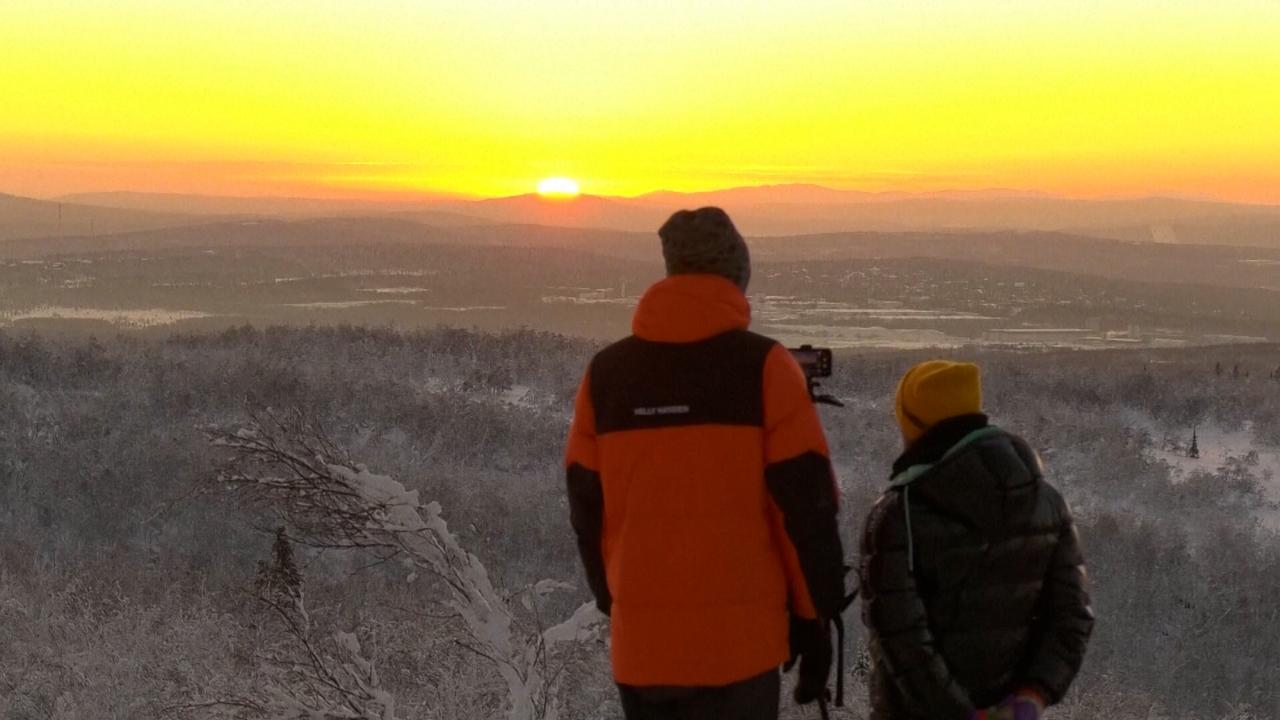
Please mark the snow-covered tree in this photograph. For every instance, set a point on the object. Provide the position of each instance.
(289, 466)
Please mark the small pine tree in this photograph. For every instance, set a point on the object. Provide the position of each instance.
(1194, 451)
(281, 575)
(1217, 368)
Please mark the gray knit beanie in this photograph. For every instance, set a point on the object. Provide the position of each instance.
(705, 241)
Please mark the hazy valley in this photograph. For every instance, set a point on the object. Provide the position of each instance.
(864, 288)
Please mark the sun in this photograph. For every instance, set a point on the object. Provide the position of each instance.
(558, 187)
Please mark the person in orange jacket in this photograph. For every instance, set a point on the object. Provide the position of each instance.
(702, 495)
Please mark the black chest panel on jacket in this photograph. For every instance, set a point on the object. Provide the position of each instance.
(638, 384)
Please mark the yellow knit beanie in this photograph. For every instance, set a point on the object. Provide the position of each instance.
(934, 391)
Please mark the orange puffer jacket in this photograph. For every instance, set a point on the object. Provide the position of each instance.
(701, 491)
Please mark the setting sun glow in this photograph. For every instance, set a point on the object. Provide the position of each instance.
(558, 187)
(332, 98)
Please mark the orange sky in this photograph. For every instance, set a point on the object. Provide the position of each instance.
(330, 98)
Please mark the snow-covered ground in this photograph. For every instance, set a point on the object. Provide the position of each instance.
(396, 290)
(146, 317)
(522, 396)
(1217, 446)
(344, 304)
(780, 308)
(861, 337)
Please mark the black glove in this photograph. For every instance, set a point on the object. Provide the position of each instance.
(811, 643)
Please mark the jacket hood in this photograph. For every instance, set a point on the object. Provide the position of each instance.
(937, 441)
(689, 308)
(979, 481)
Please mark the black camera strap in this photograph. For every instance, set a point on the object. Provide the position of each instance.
(838, 621)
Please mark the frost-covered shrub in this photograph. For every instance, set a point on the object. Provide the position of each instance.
(290, 468)
(83, 650)
(101, 446)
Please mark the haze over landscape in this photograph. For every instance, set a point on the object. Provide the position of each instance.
(870, 270)
(262, 258)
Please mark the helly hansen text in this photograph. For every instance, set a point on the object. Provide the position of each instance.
(663, 410)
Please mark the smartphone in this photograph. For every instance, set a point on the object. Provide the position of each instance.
(816, 362)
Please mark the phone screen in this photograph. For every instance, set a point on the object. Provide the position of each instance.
(815, 361)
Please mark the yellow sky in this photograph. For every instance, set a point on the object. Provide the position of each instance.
(319, 97)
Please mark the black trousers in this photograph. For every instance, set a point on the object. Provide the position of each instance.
(755, 698)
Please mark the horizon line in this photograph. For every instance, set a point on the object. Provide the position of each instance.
(437, 196)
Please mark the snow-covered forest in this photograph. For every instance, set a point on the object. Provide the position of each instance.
(361, 523)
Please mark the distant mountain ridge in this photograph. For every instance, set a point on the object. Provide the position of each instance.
(797, 210)
(768, 210)
(810, 193)
(284, 207)
(22, 217)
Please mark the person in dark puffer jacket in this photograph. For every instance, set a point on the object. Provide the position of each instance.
(973, 582)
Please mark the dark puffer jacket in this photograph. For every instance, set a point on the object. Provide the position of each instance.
(972, 578)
